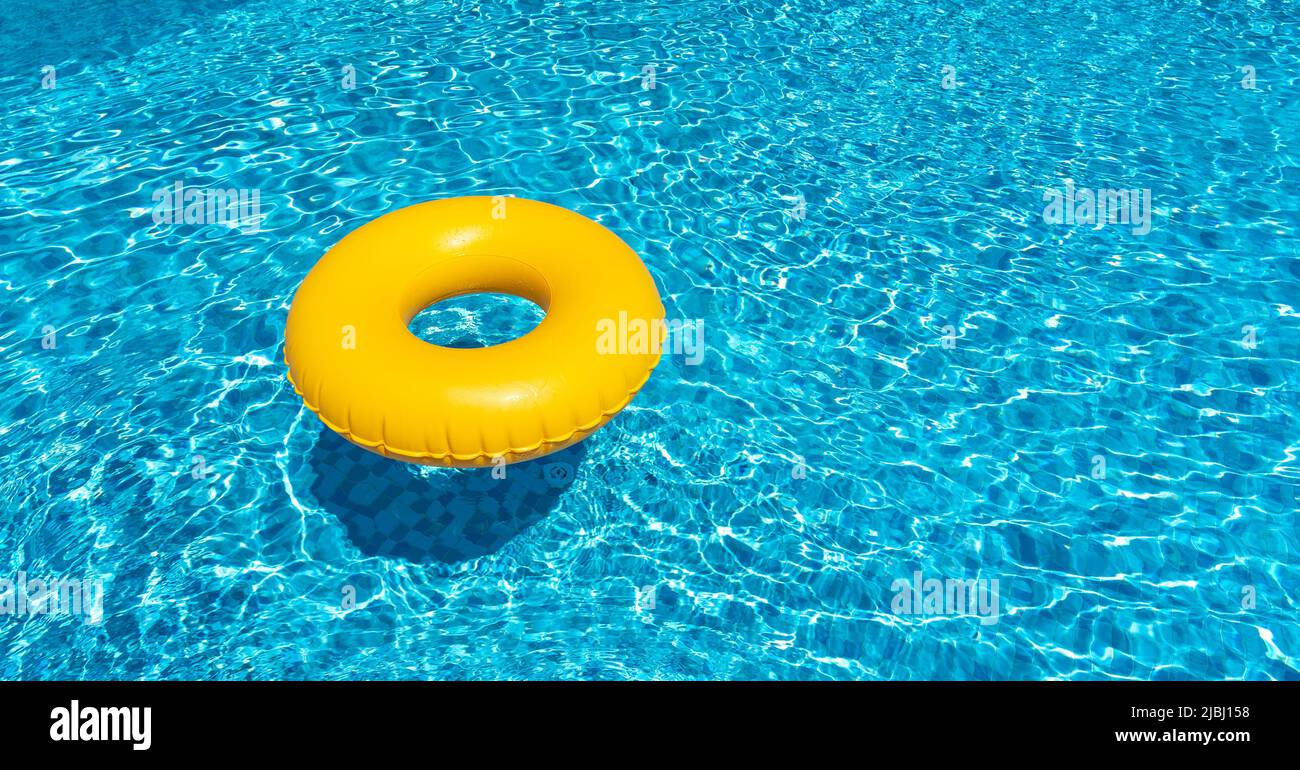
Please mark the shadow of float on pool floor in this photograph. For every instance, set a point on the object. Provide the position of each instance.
(445, 515)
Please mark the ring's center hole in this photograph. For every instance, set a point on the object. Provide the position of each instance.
(476, 320)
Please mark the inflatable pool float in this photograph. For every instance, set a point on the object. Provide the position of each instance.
(356, 364)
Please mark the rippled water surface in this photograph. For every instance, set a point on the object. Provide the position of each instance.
(908, 368)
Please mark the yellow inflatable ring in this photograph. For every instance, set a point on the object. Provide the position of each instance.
(355, 363)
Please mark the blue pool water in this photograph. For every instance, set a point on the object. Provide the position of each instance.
(909, 368)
